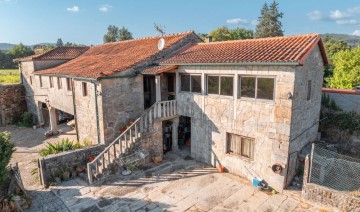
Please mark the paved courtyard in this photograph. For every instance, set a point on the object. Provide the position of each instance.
(29, 142)
(173, 185)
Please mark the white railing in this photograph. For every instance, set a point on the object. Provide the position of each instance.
(115, 150)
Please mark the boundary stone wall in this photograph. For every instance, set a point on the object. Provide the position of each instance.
(12, 103)
(53, 166)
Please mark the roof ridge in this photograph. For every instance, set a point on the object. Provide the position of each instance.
(144, 38)
(259, 39)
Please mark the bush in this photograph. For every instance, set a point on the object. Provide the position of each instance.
(62, 146)
(6, 150)
(28, 119)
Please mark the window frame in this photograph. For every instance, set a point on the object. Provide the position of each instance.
(84, 88)
(51, 81)
(59, 83)
(69, 85)
(241, 155)
(41, 82)
(183, 74)
(219, 91)
(309, 90)
(256, 87)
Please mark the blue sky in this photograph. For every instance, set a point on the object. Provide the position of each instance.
(85, 21)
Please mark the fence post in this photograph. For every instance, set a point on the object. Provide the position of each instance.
(311, 161)
(90, 176)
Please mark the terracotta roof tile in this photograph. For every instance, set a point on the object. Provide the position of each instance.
(287, 49)
(58, 53)
(111, 58)
(158, 69)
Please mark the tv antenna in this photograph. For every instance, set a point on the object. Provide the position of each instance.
(160, 28)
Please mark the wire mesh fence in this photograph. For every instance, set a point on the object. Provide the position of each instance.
(333, 170)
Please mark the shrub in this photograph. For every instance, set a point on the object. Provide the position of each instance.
(62, 146)
(6, 150)
(28, 119)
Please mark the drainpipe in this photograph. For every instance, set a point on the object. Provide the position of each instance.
(76, 123)
(97, 113)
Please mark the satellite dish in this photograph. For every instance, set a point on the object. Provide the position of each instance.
(161, 44)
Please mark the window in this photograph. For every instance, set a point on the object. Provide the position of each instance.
(240, 145)
(309, 90)
(84, 89)
(190, 83)
(30, 80)
(69, 84)
(41, 84)
(257, 87)
(51, 82)
(59, 83)
(220, 85)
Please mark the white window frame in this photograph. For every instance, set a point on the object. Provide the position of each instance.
(219, 91)
(181, 74)
(256, 86)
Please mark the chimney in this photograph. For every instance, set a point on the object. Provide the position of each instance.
(208, 39)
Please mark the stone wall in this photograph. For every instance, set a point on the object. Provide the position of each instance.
(268, 122)
(122, 100)
(152, 139)
(54, 166)
(12, 103)
(322, 196)
(305, 113)
(347, 100)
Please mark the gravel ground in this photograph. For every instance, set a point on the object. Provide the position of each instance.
(28, 143)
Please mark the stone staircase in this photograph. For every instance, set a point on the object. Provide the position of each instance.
(129, 143)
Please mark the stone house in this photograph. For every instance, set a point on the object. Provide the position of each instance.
(248, 105)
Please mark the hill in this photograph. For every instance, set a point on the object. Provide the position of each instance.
(351, 40)
(7, 46)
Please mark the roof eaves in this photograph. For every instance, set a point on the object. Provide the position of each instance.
(237, 63)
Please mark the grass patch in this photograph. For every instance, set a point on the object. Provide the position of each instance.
(9, 76)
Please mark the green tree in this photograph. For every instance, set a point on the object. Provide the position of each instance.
(47, 47)
(6, 150)
(333, 46)
(112, 34)
(124, 34)
(221, 34)
(20, 50)
(269, 22)
(59, 42)
(241, 33)
(346, 73)
(5, 61)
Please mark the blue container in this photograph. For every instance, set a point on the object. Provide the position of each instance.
(256, 182)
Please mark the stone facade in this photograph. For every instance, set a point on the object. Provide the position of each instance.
(12, 103)
(271, 123)
(54, 166)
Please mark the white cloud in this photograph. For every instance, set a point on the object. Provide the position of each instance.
(337, 14)
(255, 22)
(356, 32)
(315, 15)
(238, 21)
(347, 22)
(105, 8)
(73, 9)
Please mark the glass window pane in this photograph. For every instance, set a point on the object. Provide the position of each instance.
(226, 87)
(265, 88)
(246, 147)
(185, 83)
(196, 84)
(213, 85)
(247, 88)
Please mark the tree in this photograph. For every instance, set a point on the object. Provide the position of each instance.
(6, 150)
(59, 42)
(202, 36)
(124, 34)
(269, 22)
(112, 34)
(333, 46)
(5, 61)
(221, 34)
(347, 69)
(20, 50)
(241, 33)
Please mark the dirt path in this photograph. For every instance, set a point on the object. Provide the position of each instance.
(28, 143)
